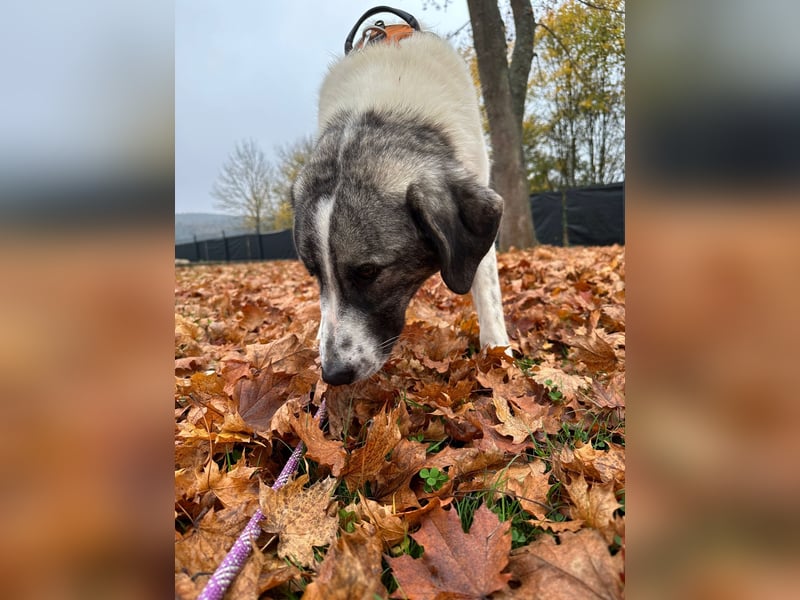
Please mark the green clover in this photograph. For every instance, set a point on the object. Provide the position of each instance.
(433, 478)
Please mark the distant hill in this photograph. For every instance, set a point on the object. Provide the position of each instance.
(206, 226)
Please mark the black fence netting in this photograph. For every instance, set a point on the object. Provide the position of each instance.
(266, 246)
(591, 216)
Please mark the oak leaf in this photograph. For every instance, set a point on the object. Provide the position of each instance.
(299, 517)
(581, 566)
(455, 564)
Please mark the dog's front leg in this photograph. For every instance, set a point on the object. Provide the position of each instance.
(488, 302)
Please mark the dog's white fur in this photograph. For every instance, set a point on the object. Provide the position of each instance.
(429, 82)
(430, 78)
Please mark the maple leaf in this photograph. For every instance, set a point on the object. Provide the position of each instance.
(318, 447)
(455, 564)
(530, 484)
(187, 337)
(460, 462)
(389, 526)
(593, 504)
(395, 478)
(567, 384)
(299, 517)
(288, 354)
(257, 400)
(252, 317)
(580, 566)
(594, 351)
(520, 427)
(611, 395)
(602, 465)
(366, 462)
(351, 569)
(202, 548)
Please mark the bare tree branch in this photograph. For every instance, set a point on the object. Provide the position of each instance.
(598, 7)
(244, 185)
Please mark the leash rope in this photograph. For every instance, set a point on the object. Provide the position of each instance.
(240, 551)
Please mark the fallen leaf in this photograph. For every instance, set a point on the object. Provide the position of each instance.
(593, 504)
(389, 526)
(593, 351)
(299, 517)
(580, 566)
(455, 564)
(567, 384)
(351, 569)
(530, 484)
(257, 400)
(520, 426)
(603, 465)
(366, 462)
(318, 448)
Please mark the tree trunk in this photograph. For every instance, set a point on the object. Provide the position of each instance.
(505, 115)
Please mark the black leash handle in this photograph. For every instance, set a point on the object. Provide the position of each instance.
(348, 43)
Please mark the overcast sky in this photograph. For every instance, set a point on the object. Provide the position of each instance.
(252, 68)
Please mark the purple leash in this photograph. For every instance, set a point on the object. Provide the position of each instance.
(238, 554)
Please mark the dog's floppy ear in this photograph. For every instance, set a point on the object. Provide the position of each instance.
(461, 219)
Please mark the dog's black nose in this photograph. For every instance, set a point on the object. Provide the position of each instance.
(339, 374)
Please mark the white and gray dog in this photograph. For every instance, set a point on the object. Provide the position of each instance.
(395, 190)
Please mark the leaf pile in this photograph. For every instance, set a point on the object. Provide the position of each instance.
(528, 452)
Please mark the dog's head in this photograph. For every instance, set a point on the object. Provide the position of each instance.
(381, 205)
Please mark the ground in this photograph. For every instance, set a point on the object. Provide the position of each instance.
(453, 470)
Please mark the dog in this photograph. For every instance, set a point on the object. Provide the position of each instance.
(395, 190)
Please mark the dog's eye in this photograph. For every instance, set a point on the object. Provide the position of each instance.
(366, 273)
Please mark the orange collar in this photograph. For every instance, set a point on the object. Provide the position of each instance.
(383, 33)
(380, 32)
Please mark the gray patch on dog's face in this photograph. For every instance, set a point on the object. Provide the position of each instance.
(357, 233)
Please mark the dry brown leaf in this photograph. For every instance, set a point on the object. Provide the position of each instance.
(255, 325)
(455, 564)
(318, 448)
(351, 569)
(366, 462)
(558, 526)
(567, 384)
(530, 484)
(395, 478)
(299, 517)
(389, 526)
(593, 351)
(579, 567)
(593, 504)
(257, 400)
(603, 465)
(520, 426)
(288, 354)
(187, 337)
(201, 549)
